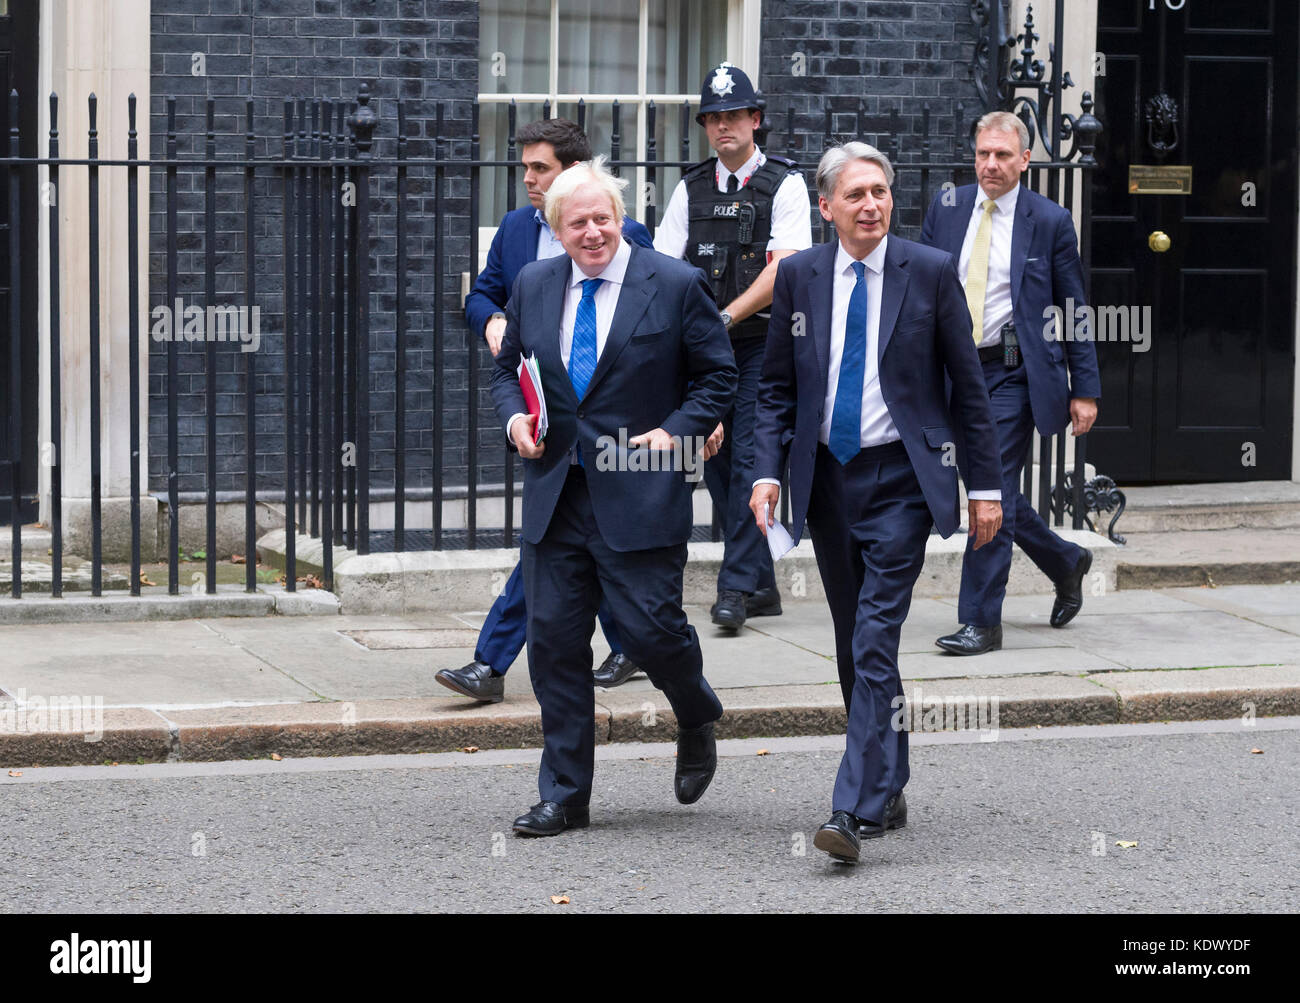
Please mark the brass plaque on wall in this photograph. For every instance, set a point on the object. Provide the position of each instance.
(1160, 179)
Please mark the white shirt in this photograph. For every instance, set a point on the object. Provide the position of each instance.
(876, 427)
(606, 300)
(548, 244)
(791, 229)
(998, 308)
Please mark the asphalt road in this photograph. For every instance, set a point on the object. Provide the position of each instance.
(1027, 823)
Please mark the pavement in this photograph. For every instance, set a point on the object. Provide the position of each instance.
(225, 688)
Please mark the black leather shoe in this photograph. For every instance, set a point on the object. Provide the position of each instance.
(729, 610)
(764, 602)
(475, 680)
(1069, 592)
(895, 818)
(839, 837)
(972, 640)
(547, 818)
(614, 671)
(697, 758)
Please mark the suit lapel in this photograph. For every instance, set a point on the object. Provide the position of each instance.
(893, 286)
(823, 293)
(961, 222)
(633, 298)
(552, 315)
(1022, 235)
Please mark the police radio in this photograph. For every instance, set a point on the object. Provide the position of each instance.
(1010, 346)
(746, 216)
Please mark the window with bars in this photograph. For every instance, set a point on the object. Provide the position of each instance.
(600, 51)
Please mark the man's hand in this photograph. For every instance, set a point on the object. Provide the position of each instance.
(985, 518)
(764, 494)
(494, 333)
(522, 432)
(656, 438)
(712, 444)
(1083, 412)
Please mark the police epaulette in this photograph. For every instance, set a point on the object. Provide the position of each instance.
(794, 166)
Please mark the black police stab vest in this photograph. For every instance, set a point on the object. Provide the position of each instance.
(727, 233)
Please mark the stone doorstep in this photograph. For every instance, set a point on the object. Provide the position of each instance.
(401, 583)
(1196, 574)
(230, 600)
(382, 727)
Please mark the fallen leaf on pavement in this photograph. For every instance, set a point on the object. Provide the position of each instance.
(276, 756)
(15, 773)
(237, 559)
(469, 748)
(1127, 844)
(559, 900)
(144, 579)
(1257, 752)
(762, 752)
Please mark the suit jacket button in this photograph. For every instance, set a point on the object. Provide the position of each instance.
(582, 414)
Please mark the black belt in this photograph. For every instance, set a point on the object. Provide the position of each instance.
(991, 353)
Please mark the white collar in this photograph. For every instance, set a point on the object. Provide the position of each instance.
(1005, 203)
(613, 272)
(875, 261)
(746, 170)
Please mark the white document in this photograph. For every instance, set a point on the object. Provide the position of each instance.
(779, 541)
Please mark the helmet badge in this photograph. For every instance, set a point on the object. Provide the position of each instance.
(722, 82)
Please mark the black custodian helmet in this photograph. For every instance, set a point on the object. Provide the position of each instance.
(725, 89)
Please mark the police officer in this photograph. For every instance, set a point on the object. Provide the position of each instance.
(735, 216)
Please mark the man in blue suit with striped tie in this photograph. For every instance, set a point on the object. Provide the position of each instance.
(865, 333)
(547, 147)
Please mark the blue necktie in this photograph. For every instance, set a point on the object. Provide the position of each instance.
(846, 419)
(582, 354)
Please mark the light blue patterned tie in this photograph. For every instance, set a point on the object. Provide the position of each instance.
(846, 419)
(582, 355)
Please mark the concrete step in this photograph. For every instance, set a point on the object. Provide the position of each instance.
(1209, 558)
(445, 580)
(1244, 505)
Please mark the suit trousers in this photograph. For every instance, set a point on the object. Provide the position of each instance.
(564, 576)
(984, 572)
(729, 476)
(505, 631)
(869, 521)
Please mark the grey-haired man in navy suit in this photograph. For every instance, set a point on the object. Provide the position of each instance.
(865, 333)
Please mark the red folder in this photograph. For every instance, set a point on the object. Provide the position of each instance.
(530, 383)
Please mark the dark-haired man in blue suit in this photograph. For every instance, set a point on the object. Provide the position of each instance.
(1018, 259)
(865, 333)
(638, 369)
(547, 148)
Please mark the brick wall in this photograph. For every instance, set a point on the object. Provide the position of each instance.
(422, 51)
(868, 60)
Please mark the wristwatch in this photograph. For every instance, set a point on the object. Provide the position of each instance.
(726, 319)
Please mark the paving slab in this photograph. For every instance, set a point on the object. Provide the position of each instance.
(1182, 640)
(1251, 601)
(162, 663)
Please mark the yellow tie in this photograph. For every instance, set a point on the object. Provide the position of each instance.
(977, 275)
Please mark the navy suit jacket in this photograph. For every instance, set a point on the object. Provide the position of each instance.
(667, 363)
(1045, 271)
(925, 335)
(514, 246)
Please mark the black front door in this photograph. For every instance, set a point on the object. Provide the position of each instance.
(18, 71)
(1213, 86)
